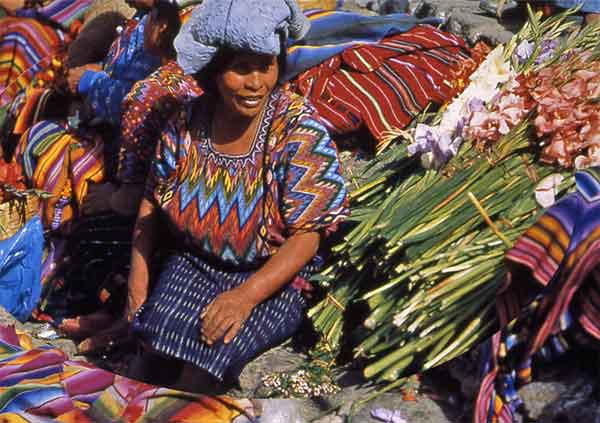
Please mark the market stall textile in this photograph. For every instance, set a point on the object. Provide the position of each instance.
(384, 86)
(60, 12)
(42, 385)
(332, 32)
(63, 164)
(26, 47)
(554, 290)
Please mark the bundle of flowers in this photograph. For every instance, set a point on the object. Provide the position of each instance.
(425, 254)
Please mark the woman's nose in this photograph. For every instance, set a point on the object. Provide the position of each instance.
(253, 81)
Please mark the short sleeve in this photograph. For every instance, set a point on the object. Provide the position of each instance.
(140, 128)
(164, 163)
(314, 196)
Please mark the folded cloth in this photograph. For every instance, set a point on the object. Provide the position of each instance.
(549, 302)
(333, 32)
(248, 25)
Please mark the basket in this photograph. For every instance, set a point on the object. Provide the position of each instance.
(318, 4)
(16, 211)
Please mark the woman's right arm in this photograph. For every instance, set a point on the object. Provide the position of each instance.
(141, 254)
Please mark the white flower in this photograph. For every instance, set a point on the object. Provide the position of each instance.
(547, 189)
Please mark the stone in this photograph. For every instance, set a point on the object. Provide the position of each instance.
(465, 19)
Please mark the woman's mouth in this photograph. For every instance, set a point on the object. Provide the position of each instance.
(250, 102)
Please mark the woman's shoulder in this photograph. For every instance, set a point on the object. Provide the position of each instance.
(291, 111)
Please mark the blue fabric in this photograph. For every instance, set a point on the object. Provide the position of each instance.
(333, 32)
(588, 6)
(248, 25)
(126, 63)
(86, 81)
(20, 269)
(169, 321)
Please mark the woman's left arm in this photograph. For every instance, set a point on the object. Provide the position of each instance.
(228, 312)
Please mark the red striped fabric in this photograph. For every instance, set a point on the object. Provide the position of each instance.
(384, 86)
(26, 47)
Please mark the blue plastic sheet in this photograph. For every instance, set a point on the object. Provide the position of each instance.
(20, 269)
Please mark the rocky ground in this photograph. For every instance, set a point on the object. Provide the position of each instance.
(562, 393)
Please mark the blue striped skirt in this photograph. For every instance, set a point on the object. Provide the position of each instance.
(169, 321)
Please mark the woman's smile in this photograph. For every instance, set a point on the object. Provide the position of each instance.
(249, 102)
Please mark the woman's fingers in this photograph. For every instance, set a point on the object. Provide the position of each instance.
(213, 323)
(221, 329)
(232, 332)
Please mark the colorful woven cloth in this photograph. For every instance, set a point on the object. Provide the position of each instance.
(332, 32)
(237, 210)
(42, 385)
(61, 12)
(146, 108)
(384, 86)
(553, 289)
(26, 47)
(63, 164)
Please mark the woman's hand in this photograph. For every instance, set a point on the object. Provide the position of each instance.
(225, 316)
(74, 75)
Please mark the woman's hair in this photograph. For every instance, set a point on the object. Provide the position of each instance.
(168, 13)
(94, 40)
(207, 76)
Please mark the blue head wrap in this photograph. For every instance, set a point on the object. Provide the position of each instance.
(246, 25)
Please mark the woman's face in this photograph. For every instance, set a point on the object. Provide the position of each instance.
(246, 83)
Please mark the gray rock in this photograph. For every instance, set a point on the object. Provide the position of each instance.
(465, 19)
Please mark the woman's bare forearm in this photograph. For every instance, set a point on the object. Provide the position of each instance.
(141, 253)
(282, 267)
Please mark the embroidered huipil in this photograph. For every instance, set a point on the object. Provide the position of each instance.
(125, 64)
(146, 108)
(237, 210)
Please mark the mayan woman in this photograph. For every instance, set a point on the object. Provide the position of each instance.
(248, 181)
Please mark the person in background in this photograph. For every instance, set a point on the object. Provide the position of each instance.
(72, 158)
(145, 109)
(248, 181)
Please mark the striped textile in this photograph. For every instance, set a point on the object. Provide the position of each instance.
(61, 12)
(26, 47)
(169, 321)
(332, 32)
(63, 164)
(384, 86)
(553, 290)
(40, 385)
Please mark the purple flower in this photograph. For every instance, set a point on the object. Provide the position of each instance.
(475, 105)
(548, 47)
(524, 51)
(425, 137)
(437, 146)
(387, 416)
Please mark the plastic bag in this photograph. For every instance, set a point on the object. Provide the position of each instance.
(20, 269)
